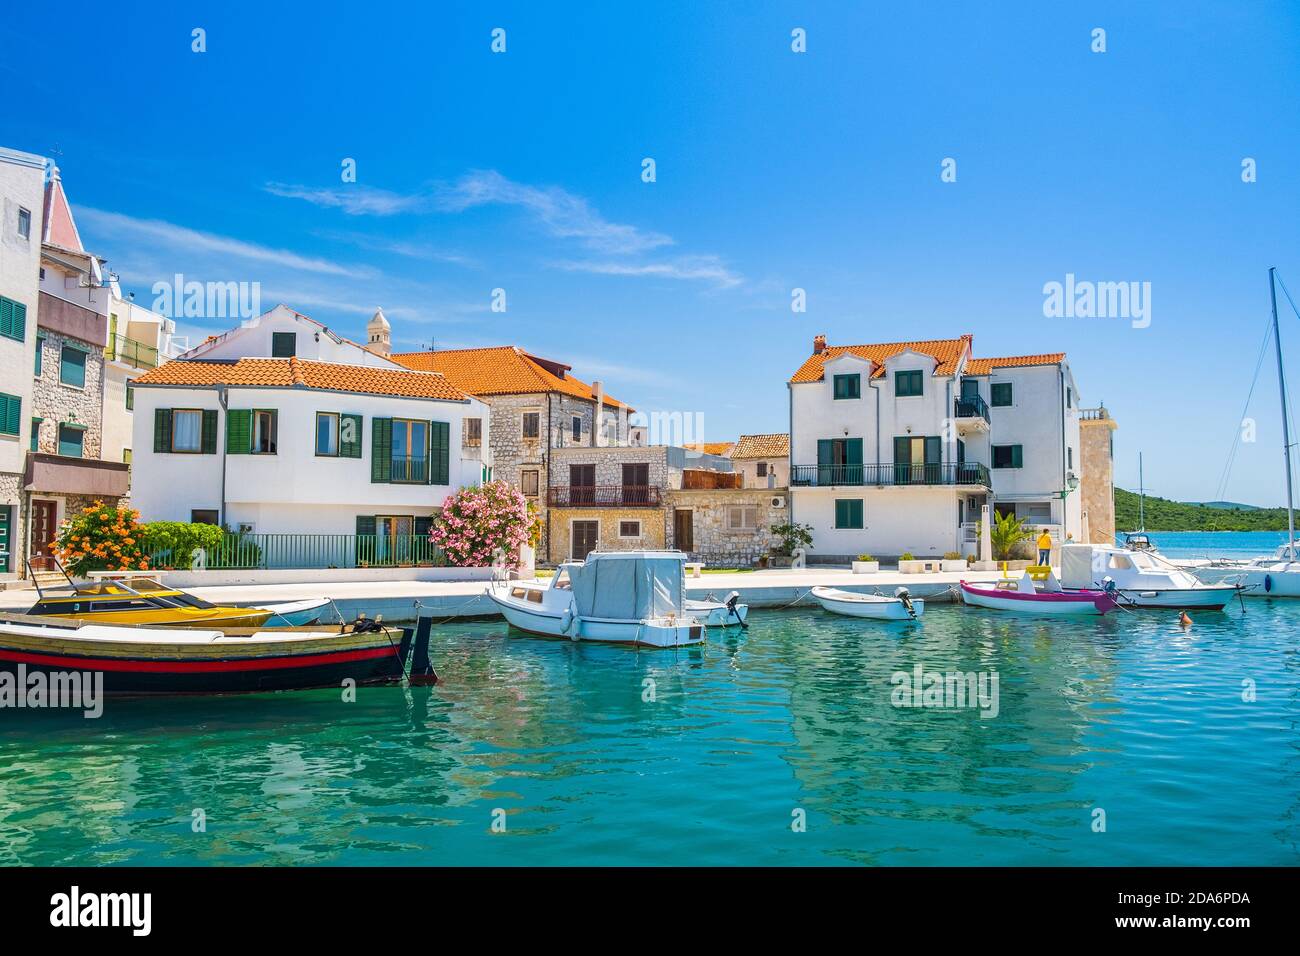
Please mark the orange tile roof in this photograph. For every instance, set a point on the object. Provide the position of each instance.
(501, 370)
(762, 446)
(946, 351)
(299, 373)
(985, 365)
(711, 447)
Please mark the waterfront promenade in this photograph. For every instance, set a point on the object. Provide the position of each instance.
(404, 600)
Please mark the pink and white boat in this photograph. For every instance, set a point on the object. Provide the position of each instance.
(1027, 599)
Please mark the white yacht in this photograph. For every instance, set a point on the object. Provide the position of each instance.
(1139, 578)
(617, 597)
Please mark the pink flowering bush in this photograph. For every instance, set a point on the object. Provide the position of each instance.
(476, 523)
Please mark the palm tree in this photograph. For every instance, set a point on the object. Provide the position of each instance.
(1007, 532)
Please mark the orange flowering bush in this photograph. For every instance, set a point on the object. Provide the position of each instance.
(101, 538)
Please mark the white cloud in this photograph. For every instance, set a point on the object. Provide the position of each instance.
(697, 268)
(353, 200)
(180, 237)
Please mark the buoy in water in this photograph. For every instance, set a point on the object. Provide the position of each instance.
(1184, 619)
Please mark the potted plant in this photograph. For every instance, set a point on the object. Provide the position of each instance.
(907, 564)
(952, 561)
(791, 536)
(866, 564)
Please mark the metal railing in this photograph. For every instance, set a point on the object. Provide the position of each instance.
(411, 469)
(603, 496)
(130, 352)
(971, 406)
(966, 473)
(265, 551)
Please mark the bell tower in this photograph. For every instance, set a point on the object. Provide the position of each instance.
(379, 334)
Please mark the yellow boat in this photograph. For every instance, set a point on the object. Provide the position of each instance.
(132, 598)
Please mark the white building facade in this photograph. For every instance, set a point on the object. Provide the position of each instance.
(894, 448)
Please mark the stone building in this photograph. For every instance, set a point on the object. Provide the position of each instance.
(763, 460)
(726, 527)
(538, 410)
(1096, 478)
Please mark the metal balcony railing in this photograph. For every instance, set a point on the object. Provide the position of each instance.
(603, 496)
(130, 352)
(966, 473)
(971, 406)
(412, 469)
(312, 551)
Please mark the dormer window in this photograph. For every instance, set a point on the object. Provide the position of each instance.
(909, 383)
(847, 386)
(284, 344)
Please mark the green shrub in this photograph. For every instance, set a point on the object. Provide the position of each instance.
(906, 556)
(952, 556)
(865, 557)
(171, 544)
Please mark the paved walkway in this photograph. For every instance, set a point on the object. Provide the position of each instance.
(403, 600)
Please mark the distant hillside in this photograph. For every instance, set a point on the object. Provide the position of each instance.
(1165, 515)
(1226, 505)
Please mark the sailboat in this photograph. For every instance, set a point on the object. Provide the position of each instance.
(1278, 574)
(1139, 540)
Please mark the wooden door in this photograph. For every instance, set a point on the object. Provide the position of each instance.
(684, 529)
(44, 529)
(636, 483)
(582, 484)
(586, 536)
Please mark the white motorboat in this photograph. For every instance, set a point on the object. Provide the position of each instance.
(1139, 578)
(728, 613)
(296, 613)
(617, 597)
(880, 607)
(1025, 597)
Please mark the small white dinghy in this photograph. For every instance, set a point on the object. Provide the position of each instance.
(900, 607)
(726, 613)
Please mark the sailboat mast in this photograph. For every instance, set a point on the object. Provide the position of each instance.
(1286, 429)
(1142, 497)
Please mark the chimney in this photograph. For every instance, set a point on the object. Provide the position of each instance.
(598, 419)
(819, 344)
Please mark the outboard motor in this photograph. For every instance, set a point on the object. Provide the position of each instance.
(731, 600)
(905, 596)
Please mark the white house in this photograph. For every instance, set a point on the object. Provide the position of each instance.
(352, 444)
(282, 333)
(895, 447)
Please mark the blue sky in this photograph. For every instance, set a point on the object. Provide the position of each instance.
(775, 170)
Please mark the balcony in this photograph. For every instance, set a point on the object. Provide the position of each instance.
(971, 408)
(603, 496)
(880, 476)
(410, 470)
(130, 352)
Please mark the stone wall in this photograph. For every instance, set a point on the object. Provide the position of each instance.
(1096, 477)
(717, 545)
(653, 532)
(56, 403)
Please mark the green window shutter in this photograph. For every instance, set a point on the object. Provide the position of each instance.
(40, 349)
(284, 344)
(381, 450)
(848, 386)
(439, 453)
(239, 431)
(162, 430)
(841, 512)
(365, 538)
(209, 446)
(853, 451)
(72, 366)
(855, 512)
(365, 524)
(13, 319)
(1000, 394)
(11, 407)
(848, 512)
(350, 436)
(1017, 456)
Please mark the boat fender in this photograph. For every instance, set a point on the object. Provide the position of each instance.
(571, 622)
(1268, 583)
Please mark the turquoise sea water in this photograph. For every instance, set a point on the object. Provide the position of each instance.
(1131, 714)
(1217, 544)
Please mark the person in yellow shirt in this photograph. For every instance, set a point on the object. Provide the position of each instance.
(1044, 548)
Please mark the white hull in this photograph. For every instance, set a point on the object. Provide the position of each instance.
(660, 632)
(1205, 598)
(716, 614)
(1011, 601)
(1276, 581)
(874, 606)
(296, 613)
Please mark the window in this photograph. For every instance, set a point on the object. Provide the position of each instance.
(528, 482)
(203, 516)
(284, 344)
(577, 427)
(848, 513)
(36, 434)
(1000, 394)
(130, 396)
(532, 424)
(327, 433)
(126, 456)
(629, 529)
(1069, 458)
(264, 432)
(410, 445)
(11, 411)
(24, 222)
(742, 517)
(848, 386)
(13, 319)
(71, 439)
(40, 348)
(187, 431)
(1008, 456)
(909, 383)
(473, 431)
(1069, 398)
(72, 366)
(761, 469)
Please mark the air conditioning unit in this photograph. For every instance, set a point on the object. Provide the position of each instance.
(778, 501)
